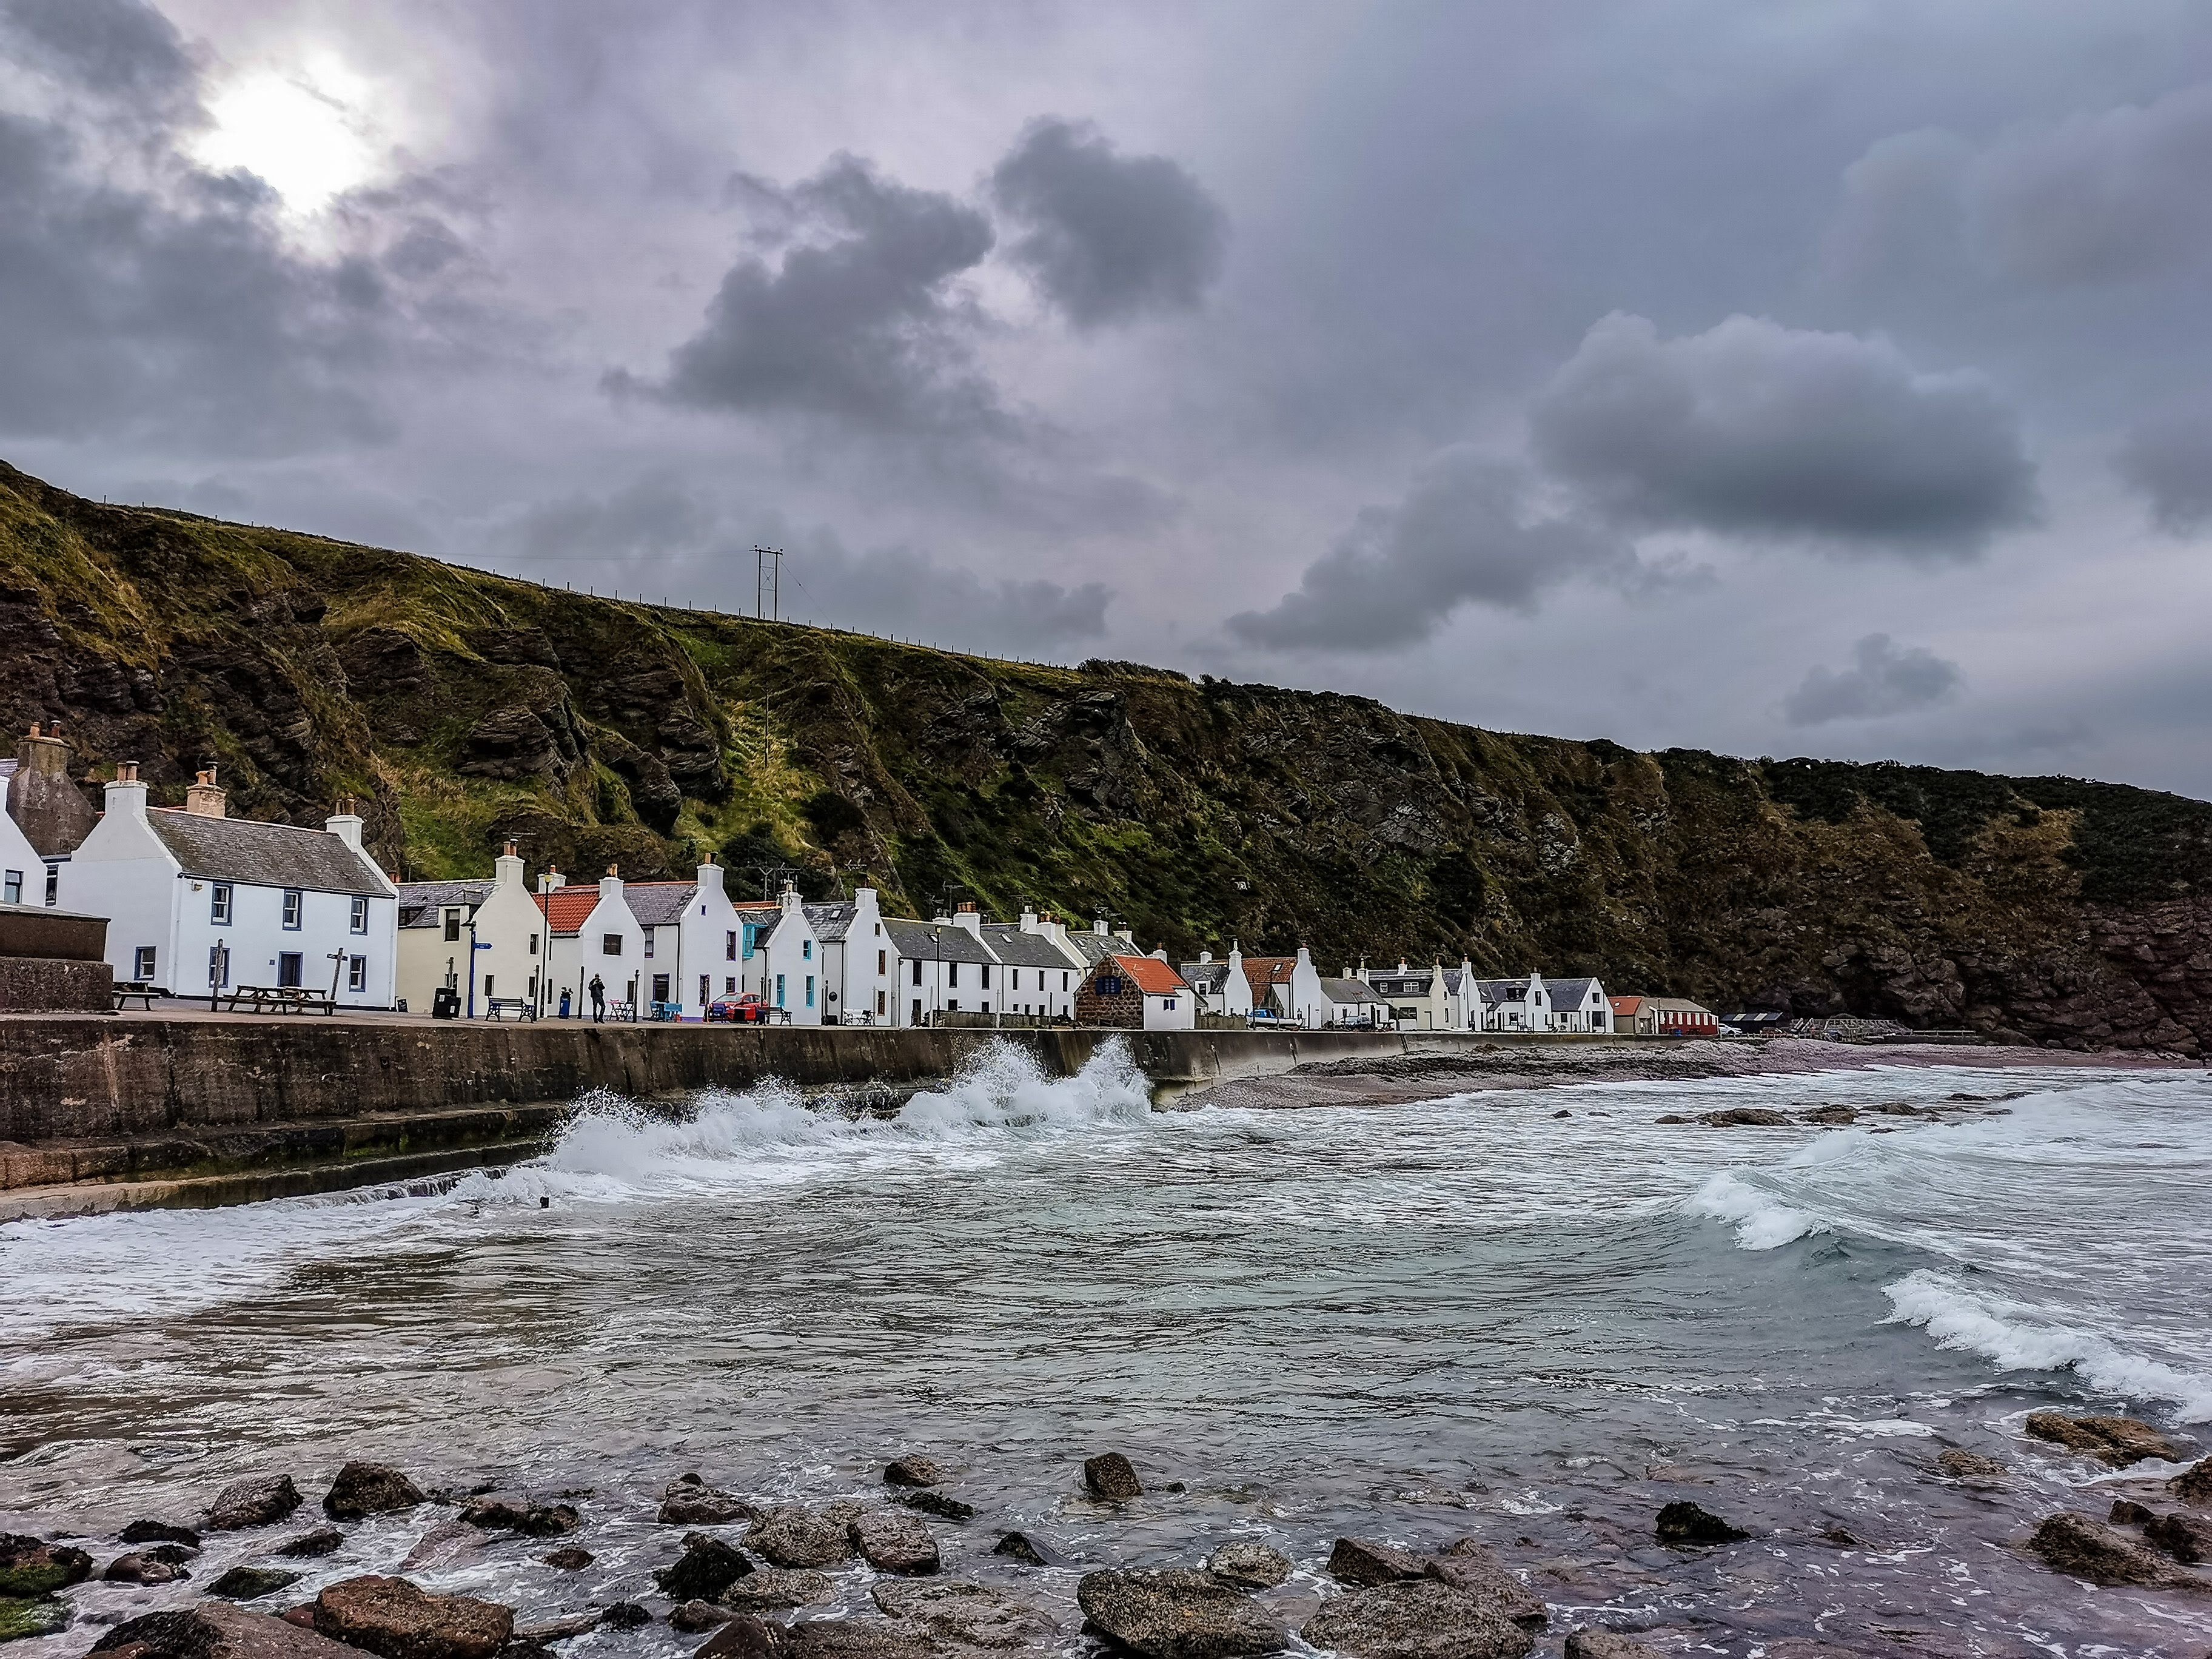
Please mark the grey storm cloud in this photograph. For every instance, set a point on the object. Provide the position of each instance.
(862, 319)
(660, 535)
(1464, 534)
(1883, 679)
(116, 47)
(1752, 428)
(2169, 459)
(1107, 237)
(2106, 196)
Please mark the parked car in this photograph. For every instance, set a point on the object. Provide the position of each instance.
(747, 1010)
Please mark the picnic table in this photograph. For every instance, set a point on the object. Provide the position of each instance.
(278, 999)
(140, 989)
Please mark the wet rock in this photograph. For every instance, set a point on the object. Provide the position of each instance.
(625, 1615)
(970, 1615)
(2184, 1537)
(937, 1503)
(1108, 1476)
(321, 1540)
(742, 1637)
(1020, 1547)
(1469, 1567)
(143, 1567)
(789, 1536)
(251, 1584)
(33, 1615)
(1673, 1117)
(2126, 1512)
(1420, 1618)
(557, 1629)
(501, 1512)
(693, 1617)
(216, 1629)
(449, 1544)
(1832, 1115)
(571, 1559)
(706, 1569)
(1595, 1643)
(1685, 1524)
(913, 1471)
(690, 1502)
(393, 1617)
(2194, 1484)
(365, 1489)
(1746, 1117)
(1358, 1561)
(2080, 1548)
(303, 1615)
(1563, 1112)
(2119, 1441)
(32, 1567)
(159, 1532)
(1173, 1612)
(851, 1639)
(261, 1502)
(780, 1587)
(1248, 1566)
(1963, 1465)
(893, 1542)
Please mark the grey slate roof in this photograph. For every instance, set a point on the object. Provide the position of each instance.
(1207, 976)
(264, 854)
(1347, 990)
(831, 922)
(1503, 990)
(952, 944)
(1403, 985)
(420, 902)
(1095, 948)
(1569, 992)
(1451, 981)
(1019, 949)
(658, 903)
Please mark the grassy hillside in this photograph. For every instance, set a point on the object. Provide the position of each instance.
(469, 708)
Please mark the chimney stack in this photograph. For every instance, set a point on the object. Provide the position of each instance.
(203, 799)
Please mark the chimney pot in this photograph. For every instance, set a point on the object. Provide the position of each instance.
(614, 869)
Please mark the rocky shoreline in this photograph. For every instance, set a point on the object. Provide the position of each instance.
(1399, 1079)
(720, 1574)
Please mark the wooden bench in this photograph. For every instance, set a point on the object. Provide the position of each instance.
(135, 989)
(499, 1007)
(279, 999)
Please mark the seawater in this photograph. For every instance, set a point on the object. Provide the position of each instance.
(1468, 1315)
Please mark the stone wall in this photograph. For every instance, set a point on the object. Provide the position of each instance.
(31, 985)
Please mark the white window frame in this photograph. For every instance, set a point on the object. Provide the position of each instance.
(357, 917)
(221, 905)
(295, 910)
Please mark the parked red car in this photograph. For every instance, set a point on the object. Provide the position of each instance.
(747, 1010)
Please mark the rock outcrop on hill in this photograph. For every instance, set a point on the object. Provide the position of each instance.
(466, 708)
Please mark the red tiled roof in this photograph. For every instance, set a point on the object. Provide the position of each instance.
(568, 908)
(1626, 1004)
(1154, 978)
(1261, 972)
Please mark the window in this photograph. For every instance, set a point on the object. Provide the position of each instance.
(142, 965)
(293, 904)
(11, 887)
(648, 948)
(533, 944)
(706, 987)
(953, 973)
(952, 1006)
(917, 970)
(810, 990)
(358, 922)
(610, 944)
(730, 985)
(53, 884)
(806, 950)
(730, 945)
(1063, 982)
(880, 964)
(986, 975)
(219, 904)
(1167, 1004)
(288, 968)
(779, 990)
(879, 1005)
(487, 984)
(917, 1011)
(452, 927)
(1015, 976)
(357, 976)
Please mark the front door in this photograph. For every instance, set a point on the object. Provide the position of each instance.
(288, 968)
(661, 987)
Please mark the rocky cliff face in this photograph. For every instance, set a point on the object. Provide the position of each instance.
(469, 708)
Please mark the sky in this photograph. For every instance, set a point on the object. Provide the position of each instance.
(1823, 379)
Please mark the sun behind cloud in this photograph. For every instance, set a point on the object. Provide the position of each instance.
(305, 129)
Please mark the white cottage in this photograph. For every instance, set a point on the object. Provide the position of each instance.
(791, 964)
(22, 871)
(1579, 1005)
(857, 971)
(1288, 988)
(1220, 986)
(483, 939)
(198, 902)
(1037, 976)
(594, 935)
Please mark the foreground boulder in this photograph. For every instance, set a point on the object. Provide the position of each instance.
(571, 1559)
(1469, 1567)
(742, 1637)
(1358, 1561)
(850, 1638)
(1109, 1475)
(2184, 1537)
(690, 1502)
(216, 1629)
(2126, 1512)
(706, 1569)
(769, 1587)
(936, 1503)
(913, 1471)
(2194, 1484)
(251, 1584)
(36, 1615)
(503, 1512)
(317, 1541)
(1415, 1619)
(145, 1567)
(968, 1615)
(1747, 1117)
(1595, 1643)
(1685, 1524)
(892, 1541)
(159, 1532)
(1173, 1612)
(790, 1536)
(1963, 1465)
(31, 1567)
(692, 1617)
(1248, 1566)
(261, 1502)
(2082, 1549)
(365, 1489)
(2119, 1441)
(391, 1617)
(1020, 1547)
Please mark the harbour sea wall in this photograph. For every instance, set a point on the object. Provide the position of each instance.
(101, 1112)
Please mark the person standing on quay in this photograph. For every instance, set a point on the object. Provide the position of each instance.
(599, 998)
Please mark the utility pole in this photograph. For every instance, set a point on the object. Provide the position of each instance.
(763, 581)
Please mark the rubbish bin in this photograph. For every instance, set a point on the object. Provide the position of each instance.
(564, 1005)
(445, 1003)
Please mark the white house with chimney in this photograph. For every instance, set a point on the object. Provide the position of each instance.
(594, 935)
(791, 967)
(22, 871)
(857, 966)
(484, 940)
(1220, 984)
(200, 903)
